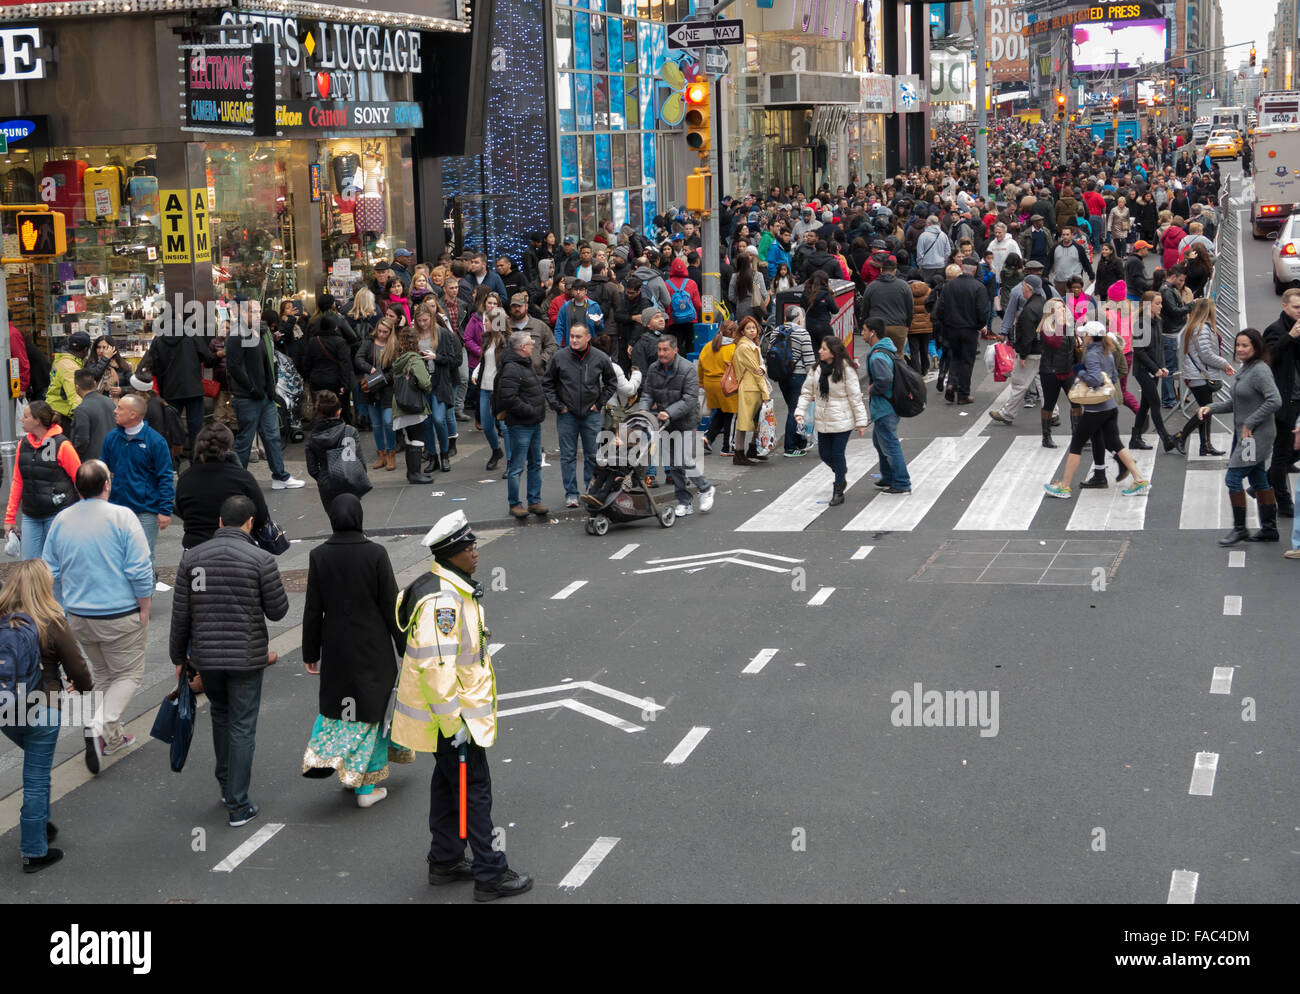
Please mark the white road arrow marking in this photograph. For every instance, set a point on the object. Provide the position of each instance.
(642, 703)
(578, 706)
(725, 552)
(692, 566)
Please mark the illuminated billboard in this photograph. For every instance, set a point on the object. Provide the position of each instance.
(1098, 45)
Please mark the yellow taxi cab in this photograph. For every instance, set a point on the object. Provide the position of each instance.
(1223, 145)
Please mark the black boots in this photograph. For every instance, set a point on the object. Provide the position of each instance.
(1095, 482)
(1267, 517)
(1135, 442)
(1206, 448)
(445, 462)
(495, 461)
(1238, 534)
(1047, 430)
(413, 472)
(837, 494)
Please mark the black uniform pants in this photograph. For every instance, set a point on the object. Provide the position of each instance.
(965, 345)
(1283, 456)
(447, 846)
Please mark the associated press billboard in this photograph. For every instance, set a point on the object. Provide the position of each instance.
(1008, 49)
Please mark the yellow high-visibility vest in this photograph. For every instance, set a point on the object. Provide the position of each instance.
(447, 675)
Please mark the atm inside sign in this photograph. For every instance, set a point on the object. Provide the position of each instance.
(176, 246)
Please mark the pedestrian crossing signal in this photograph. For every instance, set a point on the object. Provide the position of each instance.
(699, 126)
(41, 234)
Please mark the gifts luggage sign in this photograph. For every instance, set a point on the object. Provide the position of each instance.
(185, 229)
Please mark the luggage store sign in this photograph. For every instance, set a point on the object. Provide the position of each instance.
(336, 76)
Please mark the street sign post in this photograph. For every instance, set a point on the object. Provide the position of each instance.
(696, 34)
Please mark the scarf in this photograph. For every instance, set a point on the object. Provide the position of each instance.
(824, 379)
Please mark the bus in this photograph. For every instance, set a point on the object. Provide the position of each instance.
(1278, 109)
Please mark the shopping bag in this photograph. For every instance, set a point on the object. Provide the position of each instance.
(991, 357)
(348, 471)
(765, 436)
(174, 723)
(1004, 361)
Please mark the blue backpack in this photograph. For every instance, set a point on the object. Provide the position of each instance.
(683, 309)
(20, 657)
(779, 355)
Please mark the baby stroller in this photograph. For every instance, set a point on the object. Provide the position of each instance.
(288, 398)
(618, 491)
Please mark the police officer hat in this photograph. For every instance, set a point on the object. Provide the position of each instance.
(451, 534)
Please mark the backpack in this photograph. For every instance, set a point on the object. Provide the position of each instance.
(682, 308)
(909, 389)
(779, 356)
(20, 657)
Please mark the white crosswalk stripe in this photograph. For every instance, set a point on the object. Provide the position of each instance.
(1109, 510)
(931, 472)
(800, 506)
(1011, 494)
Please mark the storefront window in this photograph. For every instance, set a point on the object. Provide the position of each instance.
(360, 211)
(110, 282)
(253, 233)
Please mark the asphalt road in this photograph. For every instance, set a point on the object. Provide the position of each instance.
(794, 781)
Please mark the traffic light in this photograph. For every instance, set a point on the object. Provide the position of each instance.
(699, 126)
(41, 234)
(1252, 57)
(1060, 106)
(699, 192)
(1114, 104)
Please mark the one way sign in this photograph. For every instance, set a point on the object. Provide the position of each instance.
(697, 34)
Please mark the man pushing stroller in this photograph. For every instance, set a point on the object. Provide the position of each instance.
(671, 391)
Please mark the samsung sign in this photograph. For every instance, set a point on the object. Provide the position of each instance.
(20, 54)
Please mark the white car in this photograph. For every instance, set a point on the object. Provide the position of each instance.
(1286, 255)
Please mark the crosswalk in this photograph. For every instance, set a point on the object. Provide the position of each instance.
(1010, 471)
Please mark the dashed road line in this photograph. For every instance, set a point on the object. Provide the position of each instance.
(686, 746)
(1207, 764)
(258, 839)
(626, 551)
(586, 866)
(495, 647)
(756, 664)
(863, 552)
(821, 597)
(1236, 559)
(564, 594)
(1221, 683)
(1231, 604)
(1182, 887)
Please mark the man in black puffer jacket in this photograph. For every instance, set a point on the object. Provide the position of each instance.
(518, 399)
(226, 589)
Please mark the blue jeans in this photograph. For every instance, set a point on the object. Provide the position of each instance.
(893, 468)
(794, 439)
(830, 449)
(1295, 534)
(571, 426)
(488, 422)
(381, 423)
(149, 522)
(1256, 475)
(1098, 224)
(441, 426)
(1170, 343)
(34, 532)
(259, 417)
(525, 447)
(235, 698)
(37, 742)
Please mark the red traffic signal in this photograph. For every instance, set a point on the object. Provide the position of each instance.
(1252, 56)
(699, 126)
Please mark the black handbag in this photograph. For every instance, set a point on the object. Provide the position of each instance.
(349, 474)
(272, 538)
(375, 381)
(407, 394)
(174, 723)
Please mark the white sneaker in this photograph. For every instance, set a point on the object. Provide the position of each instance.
(373, 798)
(706, 499)
(684, 510)
(290, 484)
(570, 501)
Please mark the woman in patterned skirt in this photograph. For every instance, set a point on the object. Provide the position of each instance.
(350, 639)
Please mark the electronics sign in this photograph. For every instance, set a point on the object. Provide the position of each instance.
(1096, 44)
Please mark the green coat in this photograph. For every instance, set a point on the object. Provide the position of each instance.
(62, 394)
(413, 363)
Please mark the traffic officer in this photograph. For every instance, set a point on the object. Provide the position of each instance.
(447, 705)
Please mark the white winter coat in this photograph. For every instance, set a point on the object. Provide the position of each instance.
(842, 410)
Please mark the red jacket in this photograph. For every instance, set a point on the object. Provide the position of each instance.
(18, 350)
(1095, 202)
(1169, 242)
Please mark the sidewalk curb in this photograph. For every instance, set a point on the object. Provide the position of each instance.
(554, 516)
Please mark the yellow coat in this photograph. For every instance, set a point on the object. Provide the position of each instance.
(447, 678)
(753, 384)
(712, 366)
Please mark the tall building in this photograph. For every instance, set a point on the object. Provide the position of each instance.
(1281, 51)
